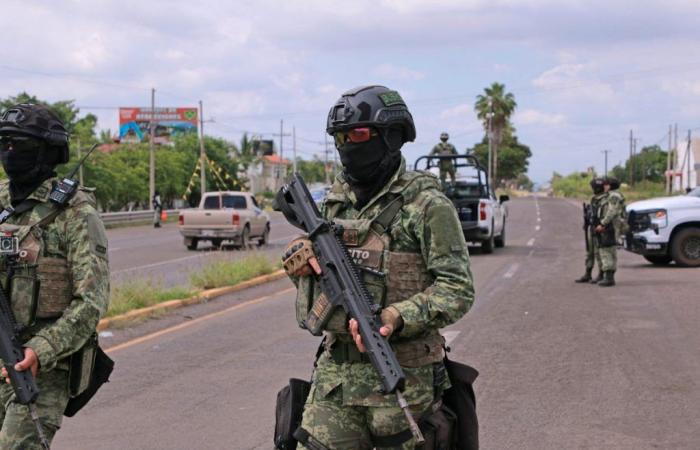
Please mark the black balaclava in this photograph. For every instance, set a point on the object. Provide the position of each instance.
(369, 165)
(27, 167)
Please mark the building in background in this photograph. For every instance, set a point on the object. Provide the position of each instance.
(134, 123)
(268, 173)
(686, 165)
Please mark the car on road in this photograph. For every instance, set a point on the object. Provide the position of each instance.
(666, 229)
(483, 217)
(225, 216)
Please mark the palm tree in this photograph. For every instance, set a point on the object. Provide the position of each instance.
(494, 108)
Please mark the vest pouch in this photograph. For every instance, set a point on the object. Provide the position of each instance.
(24, 294)
(440, 429)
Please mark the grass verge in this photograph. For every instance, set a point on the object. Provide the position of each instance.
(228, 273)
(143, 293)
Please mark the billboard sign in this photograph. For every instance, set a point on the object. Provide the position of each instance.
(169, 122)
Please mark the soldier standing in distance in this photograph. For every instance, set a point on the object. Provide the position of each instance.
(610, 212)
(65, 248)
(592, 253)
(444, 148)
(400, 227)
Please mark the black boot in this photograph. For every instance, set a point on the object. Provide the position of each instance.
(598, 279)
(586, 278)
(608, 279)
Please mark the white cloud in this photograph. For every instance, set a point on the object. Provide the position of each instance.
(462, 110)
(394, 72)
(575, 81)
(535, 117)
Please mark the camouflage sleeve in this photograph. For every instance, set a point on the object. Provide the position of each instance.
(452, 149)
(86, 251)
(613, 210)
(435, 150)
(445, 252)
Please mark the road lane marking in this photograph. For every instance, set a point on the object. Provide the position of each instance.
(511, 271)
(189, 323)
(537, 228)
(450, 336)
(531, 242)
(539, 219)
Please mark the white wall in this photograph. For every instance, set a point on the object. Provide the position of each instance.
(681, 182)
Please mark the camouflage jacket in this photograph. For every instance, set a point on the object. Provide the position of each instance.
(78, 236)
(610, 208)
(444, 148)
(430, 228)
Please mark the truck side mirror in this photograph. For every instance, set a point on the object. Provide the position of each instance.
(503, 198)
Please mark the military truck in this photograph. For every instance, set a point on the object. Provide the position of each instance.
(483, 217)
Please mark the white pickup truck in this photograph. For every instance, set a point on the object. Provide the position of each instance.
(225, 216)
(482, 216)
(666, 229)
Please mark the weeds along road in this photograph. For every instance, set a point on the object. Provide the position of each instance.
(563, 365)
(158, 254)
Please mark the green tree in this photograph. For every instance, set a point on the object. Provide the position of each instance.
(494, 108)
(649, 164)
(512, 159)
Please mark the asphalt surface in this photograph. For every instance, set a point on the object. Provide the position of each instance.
(159, 254)
(563, 365)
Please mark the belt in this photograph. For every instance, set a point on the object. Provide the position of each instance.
(347, 352)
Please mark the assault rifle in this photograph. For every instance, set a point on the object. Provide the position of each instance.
(341, 284)
(587, 221)
(12, 352)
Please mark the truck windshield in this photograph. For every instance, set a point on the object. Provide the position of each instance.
(234, 201)
(695, 192)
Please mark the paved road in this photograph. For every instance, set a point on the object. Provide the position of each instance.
(145, 252)
(563, 366)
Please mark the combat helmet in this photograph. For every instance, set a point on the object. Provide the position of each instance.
(37, 121)
(444, 136)
(373, 106)
(597, 185)
(613, 182)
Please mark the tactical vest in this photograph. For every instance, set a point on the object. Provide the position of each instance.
(39, 286)
(390, 276)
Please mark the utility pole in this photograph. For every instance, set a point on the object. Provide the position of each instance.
(690, 146)
(669, 173)
(202, 153)
(631, 161)
(152, 151)
(294, 148)
(634, 153)
(606, 161)
(281, 135)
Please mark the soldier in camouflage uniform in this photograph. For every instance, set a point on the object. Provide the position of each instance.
(405, 232)
(592, 248)
(65, 248)
(610, 211)
(444, 148)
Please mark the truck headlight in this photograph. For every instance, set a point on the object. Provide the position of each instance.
(658, 218)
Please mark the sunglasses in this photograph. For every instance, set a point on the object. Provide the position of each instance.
(355, 135)
(18, 142)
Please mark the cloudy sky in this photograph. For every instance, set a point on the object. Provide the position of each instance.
(583, 72)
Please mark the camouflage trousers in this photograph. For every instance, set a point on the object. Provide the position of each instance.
(444, 172)
(592, 253)
(17, 430)
(608, 258)
(343, 427)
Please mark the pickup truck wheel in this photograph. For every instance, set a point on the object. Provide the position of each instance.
(685, 247)
(500, 241)
(192, 244)
(265, 238)
(658, 260)
(245, 238)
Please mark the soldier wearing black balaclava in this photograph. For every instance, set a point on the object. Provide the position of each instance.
(592, 247)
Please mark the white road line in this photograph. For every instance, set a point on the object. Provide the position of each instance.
(531, 242)
(537, 228)
(450, 336)
(511, 271)
(539, 219)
